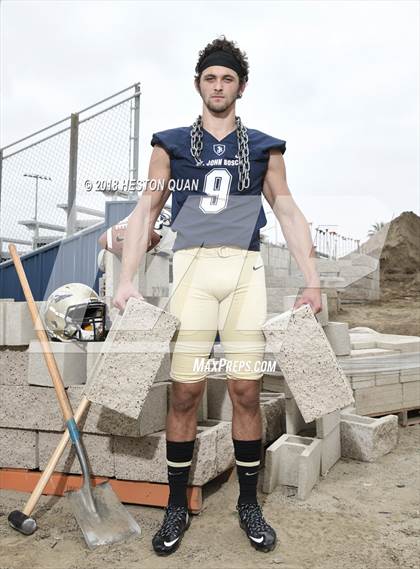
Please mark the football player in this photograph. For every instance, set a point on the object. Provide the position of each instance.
(216, 171)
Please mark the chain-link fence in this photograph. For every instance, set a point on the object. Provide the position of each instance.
(56, 181)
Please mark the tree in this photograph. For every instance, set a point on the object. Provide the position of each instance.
(375, 228)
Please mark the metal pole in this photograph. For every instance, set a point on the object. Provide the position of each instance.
(1, 171)
(36, 233)
(71, 196)
(136, 131)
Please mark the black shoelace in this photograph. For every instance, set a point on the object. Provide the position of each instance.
(175, 517)
(252, 516)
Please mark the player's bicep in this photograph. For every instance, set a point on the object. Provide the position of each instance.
(156, 193)
(275, 181)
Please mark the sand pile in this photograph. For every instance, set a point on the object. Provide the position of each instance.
(397, 245)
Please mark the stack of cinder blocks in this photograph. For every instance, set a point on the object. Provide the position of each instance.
(118, 446)
(307, 451)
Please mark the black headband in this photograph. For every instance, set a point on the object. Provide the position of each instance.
(223, 58)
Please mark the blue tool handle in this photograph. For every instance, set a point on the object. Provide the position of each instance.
(73, 430)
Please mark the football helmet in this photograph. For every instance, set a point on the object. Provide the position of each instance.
(75, 312)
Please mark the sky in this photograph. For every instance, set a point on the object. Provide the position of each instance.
(337, 80)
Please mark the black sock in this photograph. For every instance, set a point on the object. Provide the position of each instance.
(178, 457)
(247, 455)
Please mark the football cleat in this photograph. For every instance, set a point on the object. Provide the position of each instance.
(175, 523)
(260, 534)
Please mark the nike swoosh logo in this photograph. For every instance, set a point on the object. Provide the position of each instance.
(255, 268)
(118, 238)
(257, 539)
(251, 473)
(169, 543)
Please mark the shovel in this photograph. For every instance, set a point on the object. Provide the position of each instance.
(100, 515)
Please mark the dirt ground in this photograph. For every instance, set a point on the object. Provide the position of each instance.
(361, 515)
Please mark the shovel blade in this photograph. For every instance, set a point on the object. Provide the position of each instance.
(109, 523)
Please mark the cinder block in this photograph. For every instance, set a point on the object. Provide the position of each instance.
(322, 316)
(163, 373)
(145, 458)
(380, 398)
(70, 358)
(18, 449)
(327, 423)
(202, 412)
(271, 411)
(331, 449)
(99, 452)
(293, 461)
(294, 420)
(275, 382)
(411, 394)
(14, 366)
(30, 407)
(127, 367)
(366, 438)
(93, 349)
(219, 405)
(225, 453)
(339, 337)
(308, 363)
(101, 420)
(18, 327)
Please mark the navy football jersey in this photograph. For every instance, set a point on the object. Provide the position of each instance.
(207, 207)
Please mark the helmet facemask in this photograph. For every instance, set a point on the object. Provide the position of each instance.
(87, 322)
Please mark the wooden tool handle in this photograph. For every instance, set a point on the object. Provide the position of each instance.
(42, 337)
(52, 463)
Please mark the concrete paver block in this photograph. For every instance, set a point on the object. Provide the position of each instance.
(367, 438)
(411, 394)
(30, 407)
(408, 375)
(339, 337)
(308, 363)
(378, 399)
(293, 461)
(18, 448)
(70, 358)
(398, 342)
(132, 355)
(102, 420)
(14, 366)
(387, 378)
(99, 452)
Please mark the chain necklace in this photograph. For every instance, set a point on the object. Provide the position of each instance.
(243, 149)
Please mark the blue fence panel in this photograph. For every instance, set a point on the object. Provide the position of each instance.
(72, 259)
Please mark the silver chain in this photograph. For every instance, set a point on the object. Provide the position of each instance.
(243, 149)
